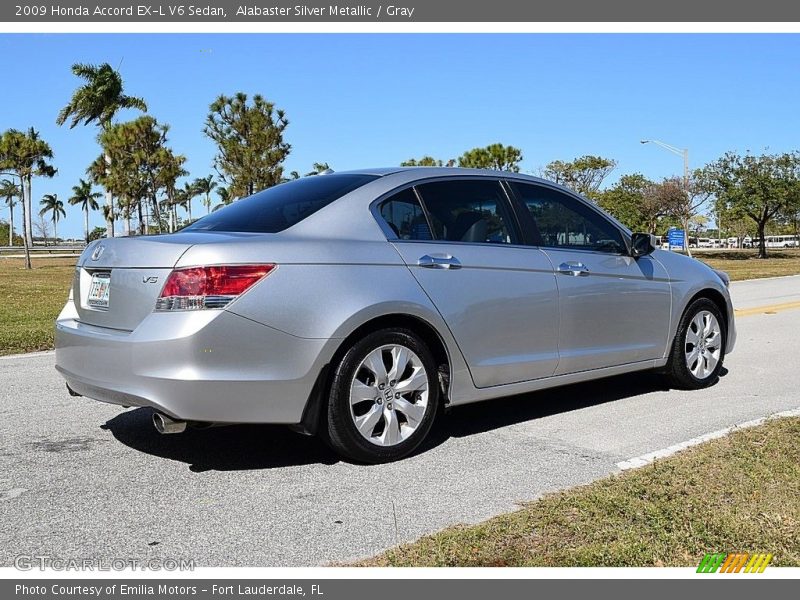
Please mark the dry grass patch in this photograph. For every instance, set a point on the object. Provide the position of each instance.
(738, 493)
(744, 264)
(31, 301)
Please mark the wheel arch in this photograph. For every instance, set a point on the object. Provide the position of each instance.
(717, 298)
(314, 413)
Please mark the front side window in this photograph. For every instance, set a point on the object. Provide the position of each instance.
(279, 207)
(468, 211)
(405, 217)
(564, 222)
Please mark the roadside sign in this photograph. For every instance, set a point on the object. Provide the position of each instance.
(675, 238)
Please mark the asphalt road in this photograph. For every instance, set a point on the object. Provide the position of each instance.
(80, 478)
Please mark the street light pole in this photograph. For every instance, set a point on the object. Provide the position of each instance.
(684, 152)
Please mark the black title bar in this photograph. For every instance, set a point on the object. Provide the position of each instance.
(262, 11)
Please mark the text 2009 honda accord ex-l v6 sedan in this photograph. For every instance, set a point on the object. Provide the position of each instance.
(355, 305)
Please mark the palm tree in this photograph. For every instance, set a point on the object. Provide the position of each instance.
(82, 194)
(181, 199)
(187, 194)
(98, 101)
(108, 212)
(224, 196)
(10, 190)
(51, 204)
(318, 169)
(25, 155)
(204, 185)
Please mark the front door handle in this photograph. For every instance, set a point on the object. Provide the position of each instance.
(576, 269)
(439, 261)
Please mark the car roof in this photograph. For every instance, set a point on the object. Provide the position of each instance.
(443, 171)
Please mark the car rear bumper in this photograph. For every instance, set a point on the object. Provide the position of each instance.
(211, 366)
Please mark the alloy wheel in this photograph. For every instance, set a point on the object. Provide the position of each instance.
(703, 344)
(389, 395)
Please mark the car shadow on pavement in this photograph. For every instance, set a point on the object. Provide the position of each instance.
(244, 447)
(229, 448)
(481, 417)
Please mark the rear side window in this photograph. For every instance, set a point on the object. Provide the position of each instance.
(468, 211)
(279, 207)
(563, 222)
(405, 216)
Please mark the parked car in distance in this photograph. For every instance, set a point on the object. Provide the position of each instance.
(356, 305)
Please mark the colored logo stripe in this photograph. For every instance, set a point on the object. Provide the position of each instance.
(734, 563)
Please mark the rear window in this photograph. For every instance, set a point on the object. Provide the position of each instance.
(279, 207)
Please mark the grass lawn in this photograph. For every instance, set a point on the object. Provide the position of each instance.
(743, 264)
(31, 300)
(735, 494)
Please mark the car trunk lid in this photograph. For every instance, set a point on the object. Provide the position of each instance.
(118, 280)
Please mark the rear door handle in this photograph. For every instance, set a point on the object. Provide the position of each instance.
(439, 261)
(576, 269)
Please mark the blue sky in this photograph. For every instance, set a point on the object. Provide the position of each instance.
(372, 100)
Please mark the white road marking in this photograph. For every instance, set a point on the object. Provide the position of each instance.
(646, 459)
(12, 493)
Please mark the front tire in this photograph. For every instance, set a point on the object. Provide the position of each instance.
(699, 347)
(384, 397)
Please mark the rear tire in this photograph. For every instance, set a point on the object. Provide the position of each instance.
(384, 397)
(698, 349)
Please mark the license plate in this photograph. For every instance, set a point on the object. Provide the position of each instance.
(99, 290)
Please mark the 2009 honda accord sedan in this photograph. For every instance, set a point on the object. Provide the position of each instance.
(356, 305)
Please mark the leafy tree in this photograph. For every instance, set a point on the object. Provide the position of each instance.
(109, 214)
(8, 191)
(120, 181)
(97, 233)
(698, 223)
(25, 155)
(635, 202)
(583, 175)
(141, 165)
(739, 226)
(51, 204)
(250, 144)
(83, 195)
(683, 200)
(5, 231)
(98, 101)
(167, 167)
(425, 161)
(493, 156)
(42, 228)
(170, 169)
(757, 187)
(204, 186)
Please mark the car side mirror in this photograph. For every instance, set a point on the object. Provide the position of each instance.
(642, 244)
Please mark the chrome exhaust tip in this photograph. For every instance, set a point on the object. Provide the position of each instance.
(165, 424)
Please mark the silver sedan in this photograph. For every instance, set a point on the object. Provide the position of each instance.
(356, 305)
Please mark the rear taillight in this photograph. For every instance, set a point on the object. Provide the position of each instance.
(195, 288)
